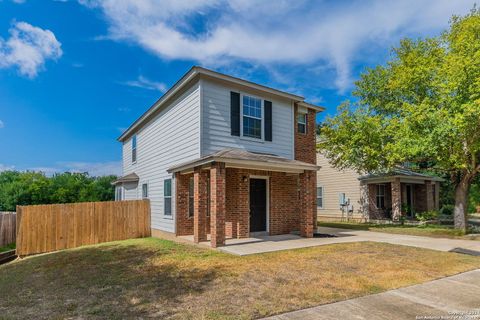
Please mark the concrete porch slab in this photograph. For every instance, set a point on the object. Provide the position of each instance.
(265, 243)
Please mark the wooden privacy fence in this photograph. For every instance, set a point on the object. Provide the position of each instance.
(45, 228)
(7, 228)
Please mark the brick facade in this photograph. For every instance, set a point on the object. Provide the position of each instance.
(282, 206)
(200, 183)
(306, 149)
(291, 197)
(184, 223)
(305, 143)
(424, 195)
(238, 210)
(217, 204)
(307, 203)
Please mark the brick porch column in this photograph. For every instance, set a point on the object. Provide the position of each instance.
(396, 199)
(200, 205)
(217, 204)
(429, 197)
(307, 203)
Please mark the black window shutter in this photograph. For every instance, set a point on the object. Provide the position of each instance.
(235, 113)
(268, 120)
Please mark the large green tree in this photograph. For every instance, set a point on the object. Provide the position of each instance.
(422, 106)
(28, 188)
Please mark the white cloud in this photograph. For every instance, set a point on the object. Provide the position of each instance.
(28, 48)
(335, 35)
(2, 124)
(93, 168)
(4, 167)
(144, 83)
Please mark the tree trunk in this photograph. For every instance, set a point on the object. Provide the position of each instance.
(461, 203)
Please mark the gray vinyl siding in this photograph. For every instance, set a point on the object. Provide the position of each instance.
(216, 134)
(334, 182)
(172, 137)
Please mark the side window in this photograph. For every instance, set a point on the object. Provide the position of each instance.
(302, 123)
(342, 199)
(380, 196)
(167, 196)
(144, 191)
(320, 197)
(252, 117)
(134, 148)
(190, 197)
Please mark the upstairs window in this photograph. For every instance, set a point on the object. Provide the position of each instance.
(167, 196)
(380, 196)
(134, 148)
(302, 123)
(252, 117)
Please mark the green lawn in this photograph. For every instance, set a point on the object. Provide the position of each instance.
(429, 230)
(156, 278)
(7, 247)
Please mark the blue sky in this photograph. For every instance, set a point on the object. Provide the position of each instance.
(74, 74)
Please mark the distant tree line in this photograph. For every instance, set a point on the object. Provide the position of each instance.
(29, 188)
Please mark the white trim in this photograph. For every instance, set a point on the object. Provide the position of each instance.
(246, 164)
(403, 179)
(267, 195)
(202, 116)
(294, 132)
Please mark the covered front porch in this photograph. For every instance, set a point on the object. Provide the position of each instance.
(234, 194)
(401, 193)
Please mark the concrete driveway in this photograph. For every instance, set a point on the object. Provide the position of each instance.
(263, 244)
(447, 297)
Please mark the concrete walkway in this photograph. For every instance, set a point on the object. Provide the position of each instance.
(447, 297)
(263, 244)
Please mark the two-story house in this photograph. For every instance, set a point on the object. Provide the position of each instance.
(221, 156)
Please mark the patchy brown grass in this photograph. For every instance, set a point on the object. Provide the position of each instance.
(157, 278)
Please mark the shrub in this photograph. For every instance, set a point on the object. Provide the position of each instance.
(427, 215)
(447, 210)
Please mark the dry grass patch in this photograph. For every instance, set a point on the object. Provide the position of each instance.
(158, 278)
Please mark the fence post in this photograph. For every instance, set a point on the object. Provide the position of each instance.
(18, 240)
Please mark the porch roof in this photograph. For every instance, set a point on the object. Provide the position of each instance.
(237, 158)
(132, 177)
(398, 172)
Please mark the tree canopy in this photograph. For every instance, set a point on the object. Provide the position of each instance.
(29, 188)
(422, 106)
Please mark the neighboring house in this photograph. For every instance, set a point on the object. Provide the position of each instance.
(223, 156)
(343, 195)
